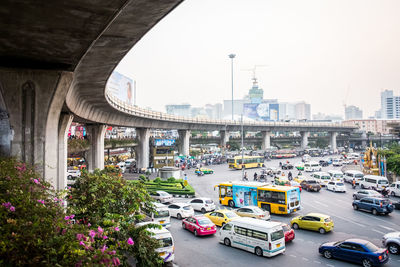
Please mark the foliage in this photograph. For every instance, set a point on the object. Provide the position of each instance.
(143, 178)
(321, 143)
(392, 158)
(171, 180)
(78, 145)
(176, 187)
(119, 142)
(107, 201)
(233, 146)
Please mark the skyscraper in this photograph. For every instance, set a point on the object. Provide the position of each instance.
(353, 112)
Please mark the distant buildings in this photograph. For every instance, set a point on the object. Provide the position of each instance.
(352, 113)
(186, 110)
(183, 110)
(372, 125)
(324, 117)
(390, 105)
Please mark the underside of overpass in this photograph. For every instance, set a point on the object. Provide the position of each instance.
(55, 59)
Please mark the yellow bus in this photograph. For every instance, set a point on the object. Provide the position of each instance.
(273, 198)
(248, 162)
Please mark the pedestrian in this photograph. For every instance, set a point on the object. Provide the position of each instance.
(290, 176)
(255, 176)
(354, 183)
(245, 176)
(280, 164)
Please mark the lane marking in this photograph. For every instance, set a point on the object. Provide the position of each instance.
(318, 262)
(322, 204)
(291, 255)
(387, 228)
(378, 231)
(304, 259)
(330, 265)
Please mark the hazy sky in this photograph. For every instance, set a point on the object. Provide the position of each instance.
(325, 52)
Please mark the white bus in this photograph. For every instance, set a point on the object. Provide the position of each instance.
(263, 238)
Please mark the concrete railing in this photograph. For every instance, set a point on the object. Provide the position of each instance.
(156, 115)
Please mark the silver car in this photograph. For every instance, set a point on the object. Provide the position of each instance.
(366, 193)
(392, 242)
(161, 196)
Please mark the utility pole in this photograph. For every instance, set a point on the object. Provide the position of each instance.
(232, 56)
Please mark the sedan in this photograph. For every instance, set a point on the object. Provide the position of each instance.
(287, 166)
(180, 210)
(311, 185)
(355, 250)
(289, 232)
(204, 170)
(202, 204)
(392, 242)
(161, 196)
(336, 186)
(366, 193)
(221, 217)
(199, 225)
(253, 212)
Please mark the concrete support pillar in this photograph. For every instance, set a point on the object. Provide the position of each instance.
(64, 125)
(224, 138)
(184, 142)
(33, 100)
(333, 141)
(266, 140)
(143, 147)
(304, 139)
(96, 152)
(364, 139)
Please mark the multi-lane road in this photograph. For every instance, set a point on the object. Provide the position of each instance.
(303, 251)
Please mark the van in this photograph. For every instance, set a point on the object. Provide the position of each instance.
(323, 178)
(161, 215)
(166, 249)
(394, 189)
(374, 182)
(336, 175)
(263, 238)
(312, 166)
(353, 174)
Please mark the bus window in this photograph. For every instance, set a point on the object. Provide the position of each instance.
(225, 191)
(229, 191)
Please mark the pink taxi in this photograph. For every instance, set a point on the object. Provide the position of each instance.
(199, 225)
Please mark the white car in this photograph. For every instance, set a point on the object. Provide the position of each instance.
(162, 196)
(337, 162)
(336, 186)
(394, 189)
(323, 178)
(181, 210)
(73, 173)
(202, 204)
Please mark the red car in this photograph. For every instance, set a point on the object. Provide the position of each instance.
(199, 225)
(289, 232)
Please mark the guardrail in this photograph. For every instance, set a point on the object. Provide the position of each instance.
(150, 114)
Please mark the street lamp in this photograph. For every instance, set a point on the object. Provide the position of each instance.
(232, 56)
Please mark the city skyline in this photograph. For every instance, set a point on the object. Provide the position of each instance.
(328, 54)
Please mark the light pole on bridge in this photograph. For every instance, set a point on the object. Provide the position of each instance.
(232, 56)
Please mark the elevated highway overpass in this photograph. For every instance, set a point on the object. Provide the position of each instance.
(55, 60)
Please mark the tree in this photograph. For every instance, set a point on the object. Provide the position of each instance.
(233, 146)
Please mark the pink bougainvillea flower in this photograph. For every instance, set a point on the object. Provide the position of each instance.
(105, 237)
(79, 236)
(113, 252)
(66, 218)
(116, 262)
(40, 201)
(104, 248)
(130, 241)
(100, 229)
(36, 181)
(116, 229)
(72, 216)
(89, 224)
(92, 233)
(6, 204)
(82, 244)
(12, 208)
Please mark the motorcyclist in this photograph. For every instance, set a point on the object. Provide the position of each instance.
(290, 177)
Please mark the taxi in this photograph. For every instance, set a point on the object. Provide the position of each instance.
(313, 221)
(204, 170)
(282, 180)
(300, 178)
(221, 217)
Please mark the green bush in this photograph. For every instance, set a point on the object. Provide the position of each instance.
(107, 201)
(157, 180)
(171, 179)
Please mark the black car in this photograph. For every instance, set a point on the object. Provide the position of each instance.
(287, 166)
(323, 163)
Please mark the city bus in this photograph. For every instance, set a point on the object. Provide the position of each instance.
(273, 198)
(248, 162)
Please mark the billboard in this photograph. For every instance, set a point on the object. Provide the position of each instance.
(164, 142)
(262, 111)
(121, 87)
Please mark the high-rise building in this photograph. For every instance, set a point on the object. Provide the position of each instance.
(183, 110)
(303, 111)
(390, 105)
(352, 113)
